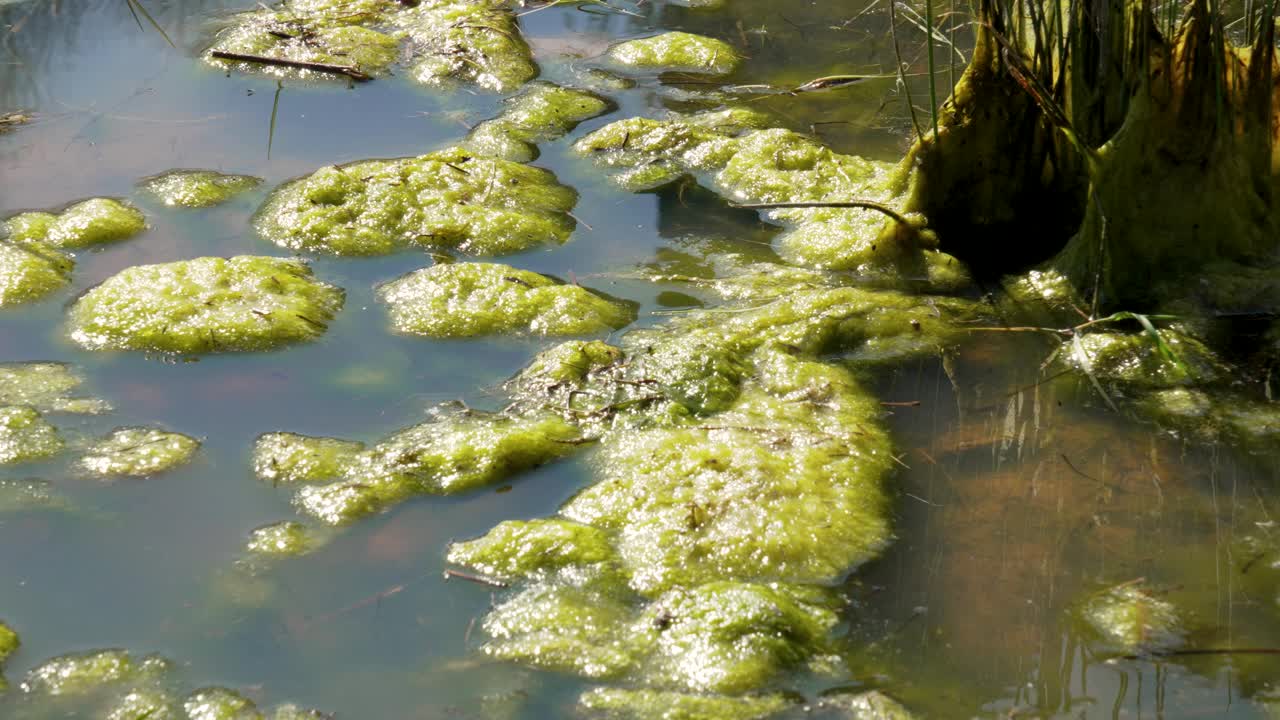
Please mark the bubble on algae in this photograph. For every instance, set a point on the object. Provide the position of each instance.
(46, 386)
(197, 188)
(203, 305)
(93, 222)
(450, 454)
(542, 112)
(30, 270)
(1131, 619)
(283, 457)
(678, 51)
(26, 436)
(451, 199)
(455, 41)
(138, 452)
(470, 299)
(643, 704)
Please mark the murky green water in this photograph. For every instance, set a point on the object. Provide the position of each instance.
(1016, 497)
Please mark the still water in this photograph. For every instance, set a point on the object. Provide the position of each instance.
(1016, 496)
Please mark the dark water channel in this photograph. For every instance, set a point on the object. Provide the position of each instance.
(1015, 497)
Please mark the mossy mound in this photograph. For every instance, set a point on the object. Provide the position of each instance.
(522, 550)
(83, 672)
(204, 305)
(568, 363)
(26, 436)
(93, 222)
(197, 188)
(475, 43)
(471, 299)
(217, 703)
(640, 704)
(285, 538)
(1139, 361)
(542, 112)
(447, 199)
(9, 642)
(451, 454)
(30, 270)
(138, 452)
(678, 51)
(46, 387)
(290, 458)
(752, 165)
(1128, 619)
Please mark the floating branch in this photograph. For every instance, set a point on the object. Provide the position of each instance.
(349, 71)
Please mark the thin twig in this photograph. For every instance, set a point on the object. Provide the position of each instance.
(863, 204)
(479, 579)
(347, 70)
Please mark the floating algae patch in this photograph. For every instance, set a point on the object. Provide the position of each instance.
(468, 41)
(46, 387)
(448, 455)
(84, 672)
(93, 222)
(205, 305)
(30, 270)
(217, 703)
(286, 538)
(8, 642)
(872, 705)
(644, 704)
(448, 199)
(677, 51)
(1140, 361)
(138, 452)
(287, 458)
(521, 550)
(197, 188)
(1129, 619)
(542, 112)
(753, 165)
(470, 299)
(26, 436)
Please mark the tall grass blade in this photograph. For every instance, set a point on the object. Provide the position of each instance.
(933, 71)
(136, 8)
(1082, 358)
(275, 108)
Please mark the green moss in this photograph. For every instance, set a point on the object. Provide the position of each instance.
(1136, 360)
(450, 455)
(45, 386)
(198, 188)
(138, 452)
(1128, 619)
(284, 538)
(145, 704)
(289, 458)
(9, 642)
(25, 436)
(678, 51)
(625, 704)
(28, 227)
(472, 41)
(542, 112)
(447, 199)
(569, 362)
(469, 299)
(521, 550)
(31, 270)
(205, 305)
(220, 704)
(80, 673)
(94, 222)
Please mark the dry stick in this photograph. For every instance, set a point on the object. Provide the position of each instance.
(479, 579)
(349, 71)
(864, 204)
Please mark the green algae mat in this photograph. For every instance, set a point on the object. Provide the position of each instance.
(518, 360)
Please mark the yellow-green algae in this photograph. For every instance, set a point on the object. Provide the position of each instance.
(1130, 619)
(207, 304)
(450, 454)
(217, 703)
(751, 165)
(26, 436)
(521, 550)
(83, 672)
(138, 452)
(454, 41)
(680, 51)
(283, 457)
(642, 704)
(1137, 360)
(30, 270)
(45, 386)
(471, 299)
(452, 198)
(9, 643)
(542, 112)
(93, 222)
(285, 538)
(197, 188)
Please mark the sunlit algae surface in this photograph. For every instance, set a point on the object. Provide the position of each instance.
(1130, 618)
(47, 387)
(26, 436)
(205, 305)
(474, 42)
(542, 112)
(469, 299)
(677, 51)
(451, 199)
(138, 452)
(197, 188)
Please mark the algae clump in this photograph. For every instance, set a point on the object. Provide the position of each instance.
(220, 704)
(205, 305)
(452, 199)
(1142, 362)
(26, 436)
(9, 643)
(518, 549)
(80, 673)
(469, 299)
(679, 51)
(283, 457)
(198, 188)
(138, 452)
(475, 41)
(643, 704)
(92, 222)
(30, 270)
(46, 387)
(1129, 619)
(285, 538)
(542, 112)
